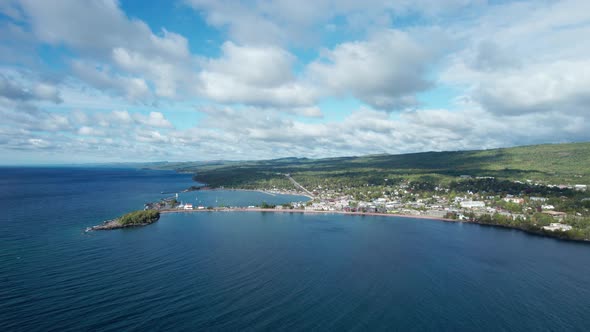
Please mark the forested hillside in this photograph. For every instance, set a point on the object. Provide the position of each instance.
(549, 164)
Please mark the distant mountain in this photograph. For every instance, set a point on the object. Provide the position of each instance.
(549, 163)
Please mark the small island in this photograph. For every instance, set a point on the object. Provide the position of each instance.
(131, 219)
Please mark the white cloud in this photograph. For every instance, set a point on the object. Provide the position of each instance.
(150, 136)
(258, 133)
(310, 112)
(521, 70)
(89, 131)
(168, 77)
(288, 21)
(122, 117)
(368, 131)
(154, 119)
(525, 58)
(385, 71)
(102, 77)
(558, 86)
(259, 75)
(39, 143)
(23, 89)
(107, 39)
(98, 27)
(264, 66)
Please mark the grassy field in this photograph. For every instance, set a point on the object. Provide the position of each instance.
(549, 164)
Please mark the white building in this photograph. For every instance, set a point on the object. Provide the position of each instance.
(538, 199)
(511, 199)
(188, 206)
(555, 226)
(472, 204)
(581, 187)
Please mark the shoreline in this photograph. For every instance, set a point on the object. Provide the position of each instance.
(375, 214)
(536, 232)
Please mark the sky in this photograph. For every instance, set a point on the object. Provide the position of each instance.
(119, 81)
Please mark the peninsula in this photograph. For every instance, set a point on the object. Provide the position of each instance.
(540, 189)
(132, 219)
(537, 189)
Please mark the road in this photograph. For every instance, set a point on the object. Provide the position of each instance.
(298, 185)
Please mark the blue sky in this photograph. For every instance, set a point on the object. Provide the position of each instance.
(106, 80)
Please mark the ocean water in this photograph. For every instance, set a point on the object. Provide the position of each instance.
(265, 271)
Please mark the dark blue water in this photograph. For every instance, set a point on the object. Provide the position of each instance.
(264, 271)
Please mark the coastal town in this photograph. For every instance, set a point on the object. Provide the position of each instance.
(525, 210)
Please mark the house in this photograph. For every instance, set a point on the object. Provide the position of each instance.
(538, 199)
(472, 204)
(491, 210)
(556, 214)
(188, 206)
(516, 200)
(547, 207)
(580, 187)
(555, 226)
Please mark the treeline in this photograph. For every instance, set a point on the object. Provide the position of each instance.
(504, 187)
(139, 217)
(558, 163)
(532, 224)
(243, 178)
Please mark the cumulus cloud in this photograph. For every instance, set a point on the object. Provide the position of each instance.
(83, 134)
(259, 75)
(37, 91)
(168, 77)
(154, 119)
(367, 131)
(266, 91)
(385, 71)
(287, 21)
(97, 27)
(559, 86)
(508, 69)
(262, 66)
(237, 132)
(107, 39)
(102, 77)
(122, 117)
(89, 131)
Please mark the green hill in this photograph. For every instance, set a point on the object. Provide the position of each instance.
(549, 164)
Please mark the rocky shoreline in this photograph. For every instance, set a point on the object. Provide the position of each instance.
(112, 224)
(118, 223)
